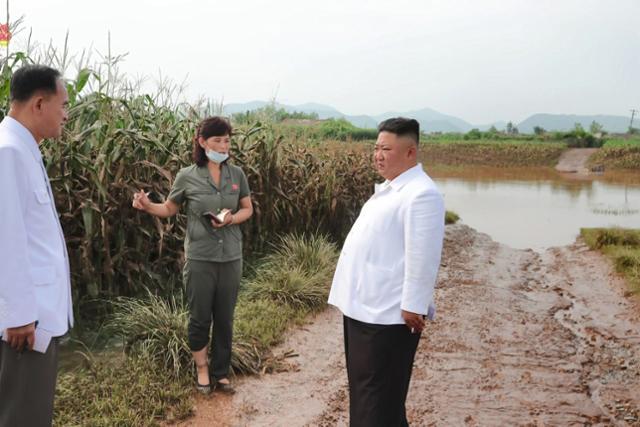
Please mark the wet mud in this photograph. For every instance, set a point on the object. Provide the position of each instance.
(521, 338)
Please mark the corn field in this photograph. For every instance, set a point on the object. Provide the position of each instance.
(114, 145)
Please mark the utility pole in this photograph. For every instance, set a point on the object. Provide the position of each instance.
(633, 113)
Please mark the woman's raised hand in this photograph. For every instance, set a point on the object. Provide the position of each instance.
(141, 200)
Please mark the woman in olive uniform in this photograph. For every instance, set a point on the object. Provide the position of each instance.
(213, 249)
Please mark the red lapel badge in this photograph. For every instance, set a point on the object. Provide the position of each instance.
(5, 35)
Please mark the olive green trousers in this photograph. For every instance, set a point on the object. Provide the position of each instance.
(212, 292)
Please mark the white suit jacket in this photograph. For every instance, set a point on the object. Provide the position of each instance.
(34, 267)
(390, 259)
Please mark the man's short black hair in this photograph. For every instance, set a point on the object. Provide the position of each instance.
(28, 80)
(402, 127)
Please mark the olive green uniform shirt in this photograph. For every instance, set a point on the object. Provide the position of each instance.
(195, 186)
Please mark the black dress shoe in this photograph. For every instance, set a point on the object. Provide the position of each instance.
(226, 388)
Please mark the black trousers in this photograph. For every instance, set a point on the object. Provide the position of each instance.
(212, 292)
(27, 386)
(379, 363)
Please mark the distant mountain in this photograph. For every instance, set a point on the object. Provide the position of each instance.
(434, 121)
(323, 111)
(229, 109)
(564, 122)
(431, 120)
(365, 122)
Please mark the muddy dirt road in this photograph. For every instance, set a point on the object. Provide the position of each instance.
(520, 339)
(574, 160)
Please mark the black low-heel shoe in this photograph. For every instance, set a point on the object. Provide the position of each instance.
(203, 389)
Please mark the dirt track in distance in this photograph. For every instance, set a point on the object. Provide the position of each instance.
(574, 160)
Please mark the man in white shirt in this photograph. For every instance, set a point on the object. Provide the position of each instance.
(35, 291)
(385, 278)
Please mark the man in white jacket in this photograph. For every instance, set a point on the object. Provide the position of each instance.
(35, 291)
(385, 278)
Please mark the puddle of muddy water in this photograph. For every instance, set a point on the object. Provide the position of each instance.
(538, 208)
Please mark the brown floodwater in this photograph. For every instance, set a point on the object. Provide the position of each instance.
(538, 208)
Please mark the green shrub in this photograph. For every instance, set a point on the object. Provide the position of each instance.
(270, 113)
(579, 138)
(343, 130)
(156, 327)
(451, 217)
(291, 286)
(313, 253)
(473, 134)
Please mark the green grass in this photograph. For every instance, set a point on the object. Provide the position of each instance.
(152, 379)
(622, 142)
(262, 322)
(622, 246)
(121, 391)
(319, 131)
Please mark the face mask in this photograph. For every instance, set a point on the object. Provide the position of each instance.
(216, 157)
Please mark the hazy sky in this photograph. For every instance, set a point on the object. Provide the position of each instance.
(481, 60)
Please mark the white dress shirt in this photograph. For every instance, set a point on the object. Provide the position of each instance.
(34, 267)
(390, 259)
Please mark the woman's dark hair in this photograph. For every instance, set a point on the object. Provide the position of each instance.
(402, 127)
(211, 126)
(28, 80)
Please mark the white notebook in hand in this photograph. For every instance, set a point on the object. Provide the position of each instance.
(42, 340)
(217, 218)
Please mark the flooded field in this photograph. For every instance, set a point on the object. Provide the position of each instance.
(538, 208)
